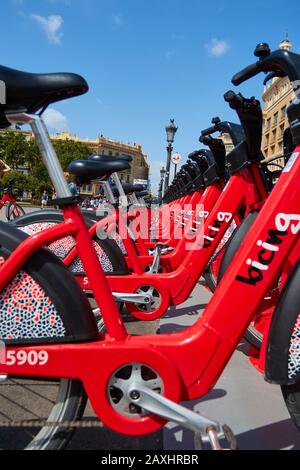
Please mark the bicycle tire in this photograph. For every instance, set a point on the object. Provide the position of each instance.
(58, 285)
(11, 211)
(287, 311)
(252, 335)
(110, 255)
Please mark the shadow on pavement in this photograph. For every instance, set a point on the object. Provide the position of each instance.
(105, 439)
(280, 435)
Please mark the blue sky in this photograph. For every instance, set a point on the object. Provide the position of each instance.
(145, 61)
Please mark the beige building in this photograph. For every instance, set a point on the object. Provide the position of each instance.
(102, 145)
(278, 94)
(227, 142)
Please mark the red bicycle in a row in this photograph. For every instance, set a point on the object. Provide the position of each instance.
(135, 383)
(13, 210)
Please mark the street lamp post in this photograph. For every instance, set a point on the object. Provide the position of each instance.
(160, 190)
(171, 130)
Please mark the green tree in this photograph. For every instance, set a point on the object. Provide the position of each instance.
(37, 186)
(21, 181)
(13, 149)
(68, 150)
(16, 151)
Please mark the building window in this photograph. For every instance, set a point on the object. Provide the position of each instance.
(273, 136)
(269, 123)
(275, 119)
(267, 139)
(283, 112)
(110, 153)
(281, 130)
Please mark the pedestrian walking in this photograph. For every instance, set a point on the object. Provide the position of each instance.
(44, 200)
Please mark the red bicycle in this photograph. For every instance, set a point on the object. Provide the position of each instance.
(13, 210)
(134, 384)
(181, 270)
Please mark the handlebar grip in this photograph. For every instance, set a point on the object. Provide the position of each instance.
(209, 130)
(246, 73)
(235, 101)
(207, 139)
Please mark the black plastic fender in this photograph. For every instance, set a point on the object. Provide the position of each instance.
(235, 241)
(283, 347)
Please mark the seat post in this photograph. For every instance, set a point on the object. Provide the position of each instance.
(122, 196)
(47, 150)
(50, 158)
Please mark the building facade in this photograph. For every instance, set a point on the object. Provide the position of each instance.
(277, 96)
(102, 145)
(227, 142)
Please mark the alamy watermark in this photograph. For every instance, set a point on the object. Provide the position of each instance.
(178, 223)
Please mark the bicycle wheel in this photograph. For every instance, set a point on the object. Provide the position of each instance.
(285, 333)
(110, 255)
(13, 211)
(211, 272)
(252, 334)
(30, 400)
(52, 298)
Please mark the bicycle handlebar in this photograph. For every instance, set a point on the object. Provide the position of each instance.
(218, 150)
(245, 74)
(250, 115)
(210, 130)
(234, 130)
(279, 62)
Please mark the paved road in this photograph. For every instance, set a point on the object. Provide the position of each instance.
(241, 398)
(253, 409)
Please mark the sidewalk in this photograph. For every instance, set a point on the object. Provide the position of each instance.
(254, 409)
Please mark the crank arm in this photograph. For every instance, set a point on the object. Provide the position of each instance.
(162, 406)
(144, 299)
(133, 298)
(205, 429)
(164, 251)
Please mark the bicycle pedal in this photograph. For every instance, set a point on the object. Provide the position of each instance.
(213, 438)
(230, 437)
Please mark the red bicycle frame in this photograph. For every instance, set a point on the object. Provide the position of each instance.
(243, 189)
(6, 198)
(190, 362)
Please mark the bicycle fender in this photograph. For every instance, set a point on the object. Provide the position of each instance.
(283, 346)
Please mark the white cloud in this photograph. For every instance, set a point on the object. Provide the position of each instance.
(55, 120)
(117, 20)
(51, 26)
(217, 47)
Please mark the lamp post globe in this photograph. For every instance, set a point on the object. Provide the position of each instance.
(160, 190)
(171, 130)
